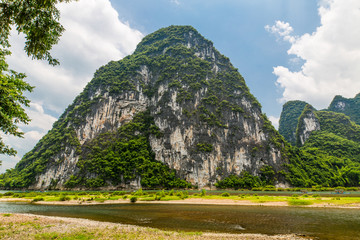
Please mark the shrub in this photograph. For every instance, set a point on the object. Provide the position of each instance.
(316, 196)
(269, 188)
(299, 202)
(133, 199)
(8, 194)
(31, 194)
(139, 192)
(203, 193)
(118, 193)
(37, 199)
(19, 195)
(64, 198)
(295, 195)
(125, 197)
(225, 194)
(305, 195)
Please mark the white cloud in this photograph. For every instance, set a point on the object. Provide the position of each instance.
(283, 30)
(331, 55)
(274, 121)
(94, 36)
(175, 2)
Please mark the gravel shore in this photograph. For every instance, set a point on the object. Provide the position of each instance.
(28, 226)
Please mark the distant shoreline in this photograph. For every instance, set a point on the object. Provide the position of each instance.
(195, 201)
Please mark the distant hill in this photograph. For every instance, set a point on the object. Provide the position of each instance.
(348, 106)
(328, 141)
(289, 119)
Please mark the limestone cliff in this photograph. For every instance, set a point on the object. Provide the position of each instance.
(177, 95)
(307, 123)
(289, 119)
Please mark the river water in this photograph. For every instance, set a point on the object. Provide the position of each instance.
(324, 223)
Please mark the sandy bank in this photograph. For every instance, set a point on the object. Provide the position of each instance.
(201, 201)
(28, 226)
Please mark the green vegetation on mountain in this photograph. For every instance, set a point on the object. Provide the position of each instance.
(348, 106)
(289, 119)
(116, 157)
(167, 66)
(125, 155)
(339, 124)
(330, 157)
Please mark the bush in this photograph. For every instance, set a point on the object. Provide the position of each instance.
(138, 192)
(295, 195)
(299, 202)
(8, 194)
(64, 198)
(118, 193)
(269, 188)
(37, 199)
(225, 194)
(31, 194)
(133, 199)
(203, 193)
(19, 195)
(305, 195)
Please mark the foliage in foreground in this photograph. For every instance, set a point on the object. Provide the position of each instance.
(39, 22)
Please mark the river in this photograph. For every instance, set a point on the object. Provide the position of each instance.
(324, 223)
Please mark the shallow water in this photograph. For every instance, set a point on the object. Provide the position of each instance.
(318, 222)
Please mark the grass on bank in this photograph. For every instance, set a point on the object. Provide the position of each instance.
(140, 195)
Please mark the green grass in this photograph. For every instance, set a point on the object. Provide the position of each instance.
(299, 202)
(293, 199)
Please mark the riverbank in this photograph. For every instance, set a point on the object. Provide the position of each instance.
(258, 201)
(28, 226)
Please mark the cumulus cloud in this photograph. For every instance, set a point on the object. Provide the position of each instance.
(94, 36)
(331, 55)
(282, 30)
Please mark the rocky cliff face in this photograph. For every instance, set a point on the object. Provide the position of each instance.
(289, 118)
(201, 121)
(308, 122)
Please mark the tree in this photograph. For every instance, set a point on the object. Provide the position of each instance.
(38, 20)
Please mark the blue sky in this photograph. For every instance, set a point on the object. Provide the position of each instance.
(237, 28)
(285, 49)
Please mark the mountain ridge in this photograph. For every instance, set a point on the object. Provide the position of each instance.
(203, 124)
